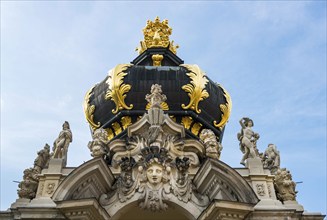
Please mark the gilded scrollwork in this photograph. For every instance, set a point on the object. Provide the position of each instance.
(89, 110)
(225, 109)
(117, 89)
(196, 89)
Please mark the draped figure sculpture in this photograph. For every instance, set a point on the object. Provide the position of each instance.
(60, 145)
(271, 158)
(248, 140)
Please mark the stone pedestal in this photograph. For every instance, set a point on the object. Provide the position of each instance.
(293, 205)
(262, 184)
(42, 202)
(50, 179)
(21, 202)
(254, 165)
(55, 165)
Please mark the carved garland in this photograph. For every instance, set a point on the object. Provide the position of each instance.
(225, 109)
(196, 90)
(89, 110)
(117, 89)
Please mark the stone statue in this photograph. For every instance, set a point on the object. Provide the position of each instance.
(271, 158)
(27, 187)
(98, 146)
(42, 158)
(284, 185)
(155, 98)
(60, 145)
(213, 147)
(248, 140)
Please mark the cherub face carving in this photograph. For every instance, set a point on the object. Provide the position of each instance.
(154, 174)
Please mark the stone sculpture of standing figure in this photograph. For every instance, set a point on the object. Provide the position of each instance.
(60, 145)
(271, 158)
(42, 158)
(248, 139)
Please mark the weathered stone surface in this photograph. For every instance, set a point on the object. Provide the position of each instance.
(61, 144)
(248, 140)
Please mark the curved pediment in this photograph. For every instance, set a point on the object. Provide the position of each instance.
(89, 180)
(217, 180)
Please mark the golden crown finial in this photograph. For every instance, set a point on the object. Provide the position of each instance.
(156, 34)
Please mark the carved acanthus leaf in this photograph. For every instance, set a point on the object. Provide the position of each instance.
(196, 90)
(89, 110)
(117, 89)
(225, 109)
(126, 121)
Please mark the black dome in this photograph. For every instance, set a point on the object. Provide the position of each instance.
(192, 98)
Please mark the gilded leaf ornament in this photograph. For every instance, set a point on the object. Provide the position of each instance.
(126, 121)
(196, 128)
(196, 89)
(187, 121)
(89, 110)
(225, 109)
(117, 89)
(117, 128)
(111, 134)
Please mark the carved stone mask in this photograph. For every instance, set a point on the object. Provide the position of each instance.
(154, 174)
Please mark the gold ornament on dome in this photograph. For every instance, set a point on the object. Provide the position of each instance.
(196, 90)
(117, 89)
(225, 109)
(187, 121)
(117, 128)
(89, 110)
(111, 134)
(156, 35)
(196, 128)
(157, 58)
(126, 121)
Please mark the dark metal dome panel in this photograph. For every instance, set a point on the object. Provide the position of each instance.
(139, 80)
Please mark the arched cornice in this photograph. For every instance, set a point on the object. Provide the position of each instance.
(217, 180)
(91, 179)
(119, 210)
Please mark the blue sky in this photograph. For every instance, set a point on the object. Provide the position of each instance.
(269, 55)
